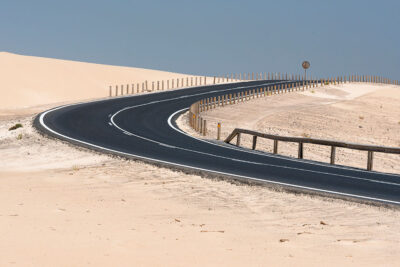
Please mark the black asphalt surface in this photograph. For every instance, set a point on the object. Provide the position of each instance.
(140, 129)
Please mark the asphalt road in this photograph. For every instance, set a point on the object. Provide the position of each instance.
(143, 127)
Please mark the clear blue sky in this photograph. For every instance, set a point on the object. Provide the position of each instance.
(210, 37)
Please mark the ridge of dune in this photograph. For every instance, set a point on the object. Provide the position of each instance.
(28, 81)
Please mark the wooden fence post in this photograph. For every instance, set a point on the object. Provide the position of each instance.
(254, 142)
(370, 160)
(110, 91)
(275, 146)
(238, 139)
(219, 131)
(333, 154)
(204, 128)
(300, 150)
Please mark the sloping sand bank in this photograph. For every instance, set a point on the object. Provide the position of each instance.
(30, 81)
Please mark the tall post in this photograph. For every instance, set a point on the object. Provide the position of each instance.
(238, 139)
(275, 146)
(219, 131)
(370, 160)
(333, 154)
(254, 142)
(300, 155)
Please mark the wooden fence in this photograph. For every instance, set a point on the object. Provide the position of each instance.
(189, 81)
(301, 141)
(146, 86)
(290, 83)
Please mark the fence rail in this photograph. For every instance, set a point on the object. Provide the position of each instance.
(289, 83)
(301, 140)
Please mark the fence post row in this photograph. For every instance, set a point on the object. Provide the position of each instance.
(199, 124)
(333, 144)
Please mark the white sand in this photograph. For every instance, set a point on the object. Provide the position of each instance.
(29, 81)
(357, 113)
(65, 206)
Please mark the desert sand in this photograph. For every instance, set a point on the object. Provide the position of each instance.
(357, 113)
(28, 81)
(65, 206)
(61, 205)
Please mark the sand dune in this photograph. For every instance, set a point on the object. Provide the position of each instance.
(29, 81)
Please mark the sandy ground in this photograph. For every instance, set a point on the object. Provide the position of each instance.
(64, 206)
(358, 113)
(28, 81)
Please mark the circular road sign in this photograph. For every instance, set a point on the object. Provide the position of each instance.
(305, 65)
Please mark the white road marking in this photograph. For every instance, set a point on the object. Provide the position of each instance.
(41, 121)
(229, 158)
(261, 153)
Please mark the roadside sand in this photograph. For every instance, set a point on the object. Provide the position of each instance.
(65, 206)
(30, 81)
(358, 113)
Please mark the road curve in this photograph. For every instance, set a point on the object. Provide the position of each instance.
(143, 127)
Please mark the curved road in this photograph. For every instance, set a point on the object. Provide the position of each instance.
(143, 127)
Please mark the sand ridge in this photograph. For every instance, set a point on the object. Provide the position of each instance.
(30, 81)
